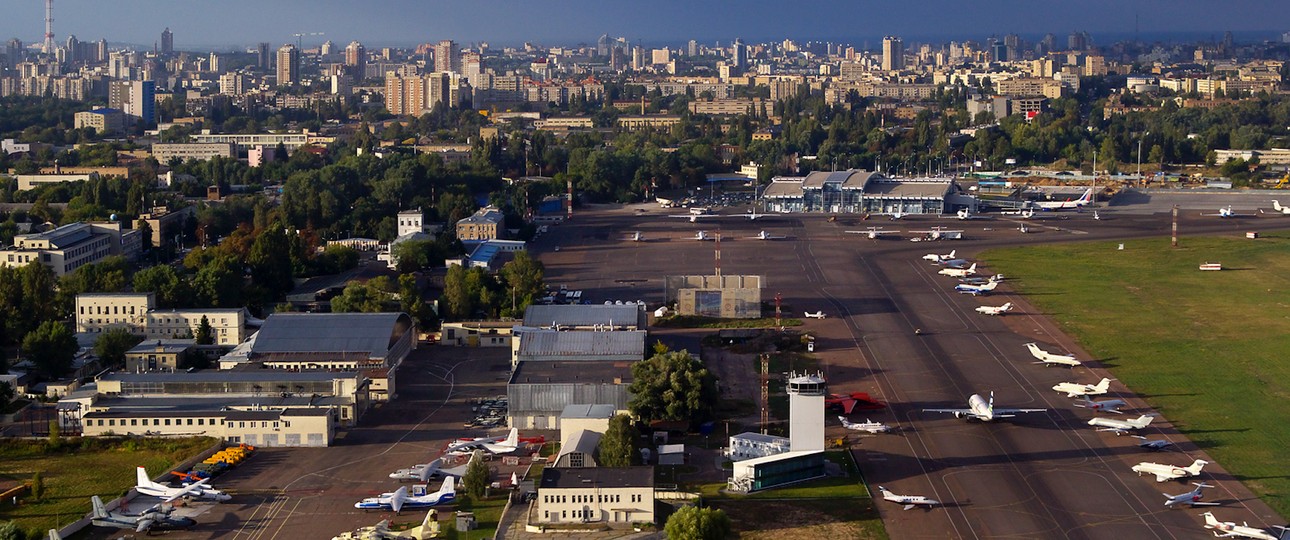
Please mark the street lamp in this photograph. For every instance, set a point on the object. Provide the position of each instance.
(1144, 135)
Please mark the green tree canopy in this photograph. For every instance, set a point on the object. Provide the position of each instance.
(51, 347)
(369, 296)
(618, 445)
(672, 386)
(694, 523)
(112, 345)
(524, 277)
(205, 335)
(476, 478)
(169, 286)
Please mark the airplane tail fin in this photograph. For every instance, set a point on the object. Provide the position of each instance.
(990, 404)
(141, 478)
(972, 269)
(1086, 197)
(1196, 467)
(1276, 205)
(1142, 421)
(1007, 306)
(449, 486)
(100, 511)
(845, 422)
(1210, 520)
(952, 252)
(1103, 385)
(513, 439)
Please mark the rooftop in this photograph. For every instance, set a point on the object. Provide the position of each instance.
(584, 372)
(170, 346)
(602, 477)
(583, 440)
(546, 316)
(583, 343)
(923, 188)
(484, 215)
(587, 411)
(213, 375)
(370, 333)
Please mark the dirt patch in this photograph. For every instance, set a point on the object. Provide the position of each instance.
(773, 520)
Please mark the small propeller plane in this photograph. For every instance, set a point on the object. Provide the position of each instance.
(897, 215)
(1231, 530)
(702, 236)
(938, 259)
(1083, 390)
(976, 290)
(694, 218)
(938, 233)
(1048, 358)
(493, 445)
(966, 214)
(908, 501)
(1120, 427)
(637, 236)
(767, 236)
(381, 531)
(982, 410)
(1155, 445)
(995, 310)
(817, 315)
(1104, 405)
(959, 272)
(1276, 205)
(400, 499)
(155, 518)
(1192, 497)
(868, 425)
(423, 472)
(1165, 473)
(1228, 213)
(873, 233)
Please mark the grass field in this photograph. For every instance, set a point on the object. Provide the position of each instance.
(1205, 349)
(80, 468)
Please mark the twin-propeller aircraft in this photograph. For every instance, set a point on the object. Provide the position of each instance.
(868, 425)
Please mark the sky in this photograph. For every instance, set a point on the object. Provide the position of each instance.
(213, 24)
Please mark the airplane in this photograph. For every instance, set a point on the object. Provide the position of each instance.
(155, 518)
(1046, 357)
(1096, 216)
(850, 402)
(664, 203)
(1231, 530)
(995, 310)
(399, 499)
(938, 233)
(425, 471)
(636, 237)
(1192, 497)
(767, 236)
(1048, 206)
(755, 216)
(817, 315)
(693, 218)
(908, 501)
(143, 484)
(1165, 473)
(867, 425)
(1083, 390)
(1276, 205)
(1024, 229)
(1228, 213)
(490, 444)
(980, 409)
(702, 236)
(959, 272)
(967, 214)
(938, 259)
(979, 280)
(975, 290)
(429, 528)
(872, 232)
(1154, 445)
(1120, 427)
(1105, 405)
(897, 215)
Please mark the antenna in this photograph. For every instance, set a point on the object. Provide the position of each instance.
(765, 392)
(49, 46)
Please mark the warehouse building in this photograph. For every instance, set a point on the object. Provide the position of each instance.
(331, 341)
(579, 450)
(540, 344)
(538, 391)
(586, 317)
(267, 428)
(733, 296)
(857, 192)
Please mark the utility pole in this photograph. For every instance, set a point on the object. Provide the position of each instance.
(1174, 237)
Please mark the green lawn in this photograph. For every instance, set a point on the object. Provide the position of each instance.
(80, 468)
(488, 512)
(1203, 348)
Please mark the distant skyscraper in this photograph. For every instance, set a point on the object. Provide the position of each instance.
(893, 54)
(288, 65)
(100, 51)
(356, 59)
(167, 41)
(602, 45)
(1048, 44)
(1077, 41)
(739, 56)
(472, 67)
(73, 49)
(214, 63)
(327, 48)
(13, 52)
(692, 48)
(447, 57)
(263, 59)
(137, 99)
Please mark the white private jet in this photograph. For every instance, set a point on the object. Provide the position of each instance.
(1154, 445)
(873, 233)
(959, 272)
(400, 499)
(817, 315)
(144, 484)
(938, 259)
(908, 501)
(1276, 205)
(1083, 390)
(938, 233)
(492, 445)
(1103, 405)
(868, 425)
(1192, 497)
(1048, 358)
(1165, 473)
(1231, 530)
(995, 310)
(966, 214)
(755, 216)
(423, 472)
(975, 290)
(1228, 213)
(980, 409)
(1049, 206)
(693, 218)
(636, 236)
(897, 215)
(1120, 427)
(767, 236)
(702, 236)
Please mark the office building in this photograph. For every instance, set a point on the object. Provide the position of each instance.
(447, 57)
(103, 120)
(269, 428)
(263, 59)
(167, 41)
(164, 152)
(288, 65)
(356, 59)
(619, 495)
(893, 54)
(136, 312)
(485, 224)
(136, 99)
(71, 246)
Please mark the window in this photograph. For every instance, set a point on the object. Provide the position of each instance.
(201, 421)
(167, 421)
(190, 421)
(111, 422)
(546, 514)
(564, 514)
(156, 421)
(133, 422)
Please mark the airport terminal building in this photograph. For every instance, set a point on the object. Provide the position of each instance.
(859, 192)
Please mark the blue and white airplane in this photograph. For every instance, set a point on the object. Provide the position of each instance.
(400, 499)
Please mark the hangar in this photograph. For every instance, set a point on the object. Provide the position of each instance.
(732, 297)
(856, 191)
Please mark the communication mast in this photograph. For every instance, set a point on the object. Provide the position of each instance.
(765, 392)
(49, 46)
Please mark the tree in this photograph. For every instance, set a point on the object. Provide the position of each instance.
(112, 345)
(523, 277)
(618, 445)
(51, 347)
(365, 297)
(204, 335)
(672, 386)
(219, 282)
(6, 392)
(170, 287)
(9, 530)
(694, 523)
(37, 486)
(475, 481)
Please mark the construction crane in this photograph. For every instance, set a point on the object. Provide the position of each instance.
(1282, 183)
(300, 35)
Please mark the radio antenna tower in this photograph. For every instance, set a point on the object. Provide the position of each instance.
(49, 27)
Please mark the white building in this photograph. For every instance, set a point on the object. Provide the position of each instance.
(611, 495)
(71, 246)
(753, 445)
(137, 313)
(268, 428)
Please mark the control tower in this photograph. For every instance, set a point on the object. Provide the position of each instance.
(806, 412)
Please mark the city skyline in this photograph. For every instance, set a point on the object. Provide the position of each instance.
(238, 23)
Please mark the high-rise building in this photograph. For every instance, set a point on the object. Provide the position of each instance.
(472, 67)
(327, 48)
(602, 45)
(288, 65)
(263, 59)
(893, 54)
(404, 95)
(447, 57)
(692, 48)
(167, 41)
(1077, 41)
(100, 51)
(13, 52)
(137, 99)
(214, 66)
(739, 56)
(232, 84)
(356, 59)
(73, 49)
(638, 58)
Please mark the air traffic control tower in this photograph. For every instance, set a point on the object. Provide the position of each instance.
(804, 459)
(806, 413)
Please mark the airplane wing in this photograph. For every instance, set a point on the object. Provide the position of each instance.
(143, 525)
(998, 411)
(910, 506)
(950, 411)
